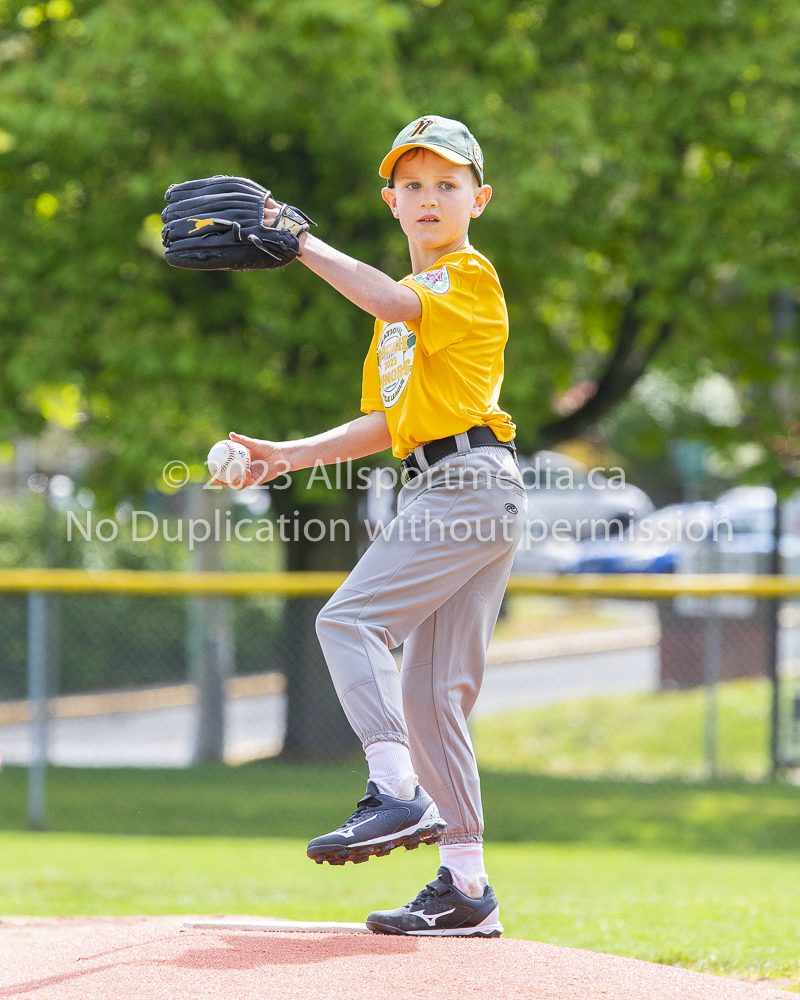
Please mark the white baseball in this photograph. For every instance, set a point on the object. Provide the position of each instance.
(229, 462)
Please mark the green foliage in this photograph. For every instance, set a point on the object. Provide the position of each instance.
(635, 146)
(640, 153)
(101, 121)
(26, 533)
(117, 641)
(34, 534)
(639, 735)
(109, 641)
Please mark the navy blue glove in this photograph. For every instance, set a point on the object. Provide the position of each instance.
(216, 224)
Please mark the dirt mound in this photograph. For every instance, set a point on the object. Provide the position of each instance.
(149, 958)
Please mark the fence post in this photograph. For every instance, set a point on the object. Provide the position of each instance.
(773, 650)
(37, 699)
(214, 664)
(712, 661)
(210, 639)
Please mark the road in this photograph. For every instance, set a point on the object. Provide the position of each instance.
(158, 737)
(562, 678)
(164, 737)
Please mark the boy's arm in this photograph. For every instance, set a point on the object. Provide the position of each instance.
(370, 289)
(360, 437)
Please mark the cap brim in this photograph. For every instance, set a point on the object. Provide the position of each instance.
(389, 161)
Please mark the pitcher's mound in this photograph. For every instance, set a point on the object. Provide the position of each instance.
(150, 958)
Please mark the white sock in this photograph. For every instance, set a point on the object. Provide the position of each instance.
(391, 769)
(467, 867)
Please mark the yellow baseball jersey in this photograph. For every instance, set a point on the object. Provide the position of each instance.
(441, 374)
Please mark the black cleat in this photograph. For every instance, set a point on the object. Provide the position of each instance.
(379, 825)
(442, 910)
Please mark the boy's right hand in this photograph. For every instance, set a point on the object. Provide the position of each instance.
(267, 460)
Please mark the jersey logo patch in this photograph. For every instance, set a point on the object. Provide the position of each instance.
(437, 280)
(396, 346)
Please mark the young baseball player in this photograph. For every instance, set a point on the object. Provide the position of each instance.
(434, 579)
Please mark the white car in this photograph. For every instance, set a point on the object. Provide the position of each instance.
(568, 503)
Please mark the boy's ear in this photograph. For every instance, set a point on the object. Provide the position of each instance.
(390, 198)
(482, 198)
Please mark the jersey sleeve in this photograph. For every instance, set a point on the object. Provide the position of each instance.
(371, 398)
(448, 296)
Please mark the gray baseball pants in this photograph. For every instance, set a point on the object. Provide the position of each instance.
(434, 580)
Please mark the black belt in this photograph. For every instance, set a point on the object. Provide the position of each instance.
(435, 451)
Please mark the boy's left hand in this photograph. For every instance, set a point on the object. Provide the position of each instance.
(217, 224)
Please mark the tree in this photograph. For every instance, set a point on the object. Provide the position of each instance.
(644, 159)
(101, 113)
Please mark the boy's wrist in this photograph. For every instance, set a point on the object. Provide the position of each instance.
(289, 455)
(312, 248)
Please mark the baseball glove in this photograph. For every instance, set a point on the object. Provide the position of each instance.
(216, 224)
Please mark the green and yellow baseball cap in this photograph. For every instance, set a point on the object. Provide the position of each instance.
(445, 136)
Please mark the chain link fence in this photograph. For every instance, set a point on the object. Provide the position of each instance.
(603, 679)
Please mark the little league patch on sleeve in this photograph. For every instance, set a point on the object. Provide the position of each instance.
(395, 361)
(438, 280)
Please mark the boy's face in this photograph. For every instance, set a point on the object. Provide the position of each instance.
(434, 199)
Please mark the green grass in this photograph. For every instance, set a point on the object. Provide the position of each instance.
(640, 735)
(285, 800)
(526, 615)
(704, 875)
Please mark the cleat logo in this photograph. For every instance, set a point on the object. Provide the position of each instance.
(352, 830)
(430, 920)
(200, 224)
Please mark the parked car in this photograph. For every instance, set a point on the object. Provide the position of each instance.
(620, 555)
(649, 545)
(561, 489)
(732, 535)
(570, 507)
(745, 519)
